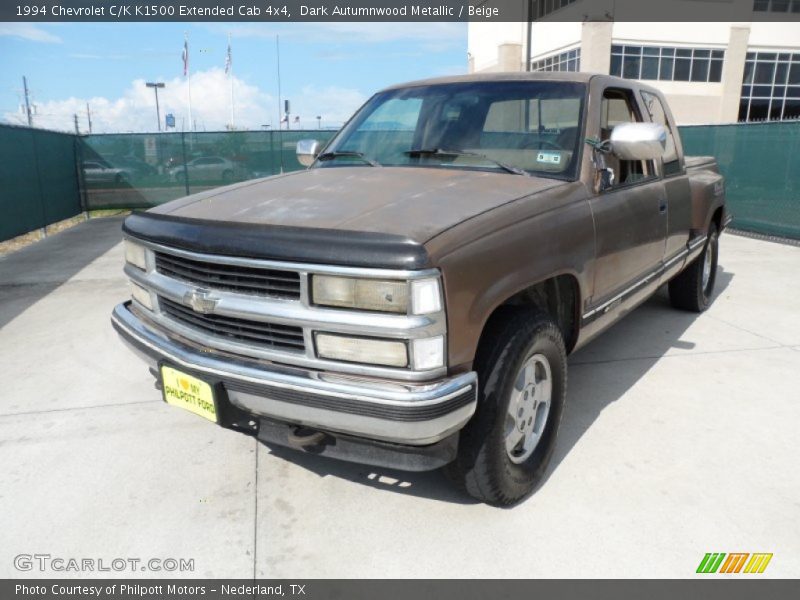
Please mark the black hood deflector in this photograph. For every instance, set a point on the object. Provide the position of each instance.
(278, 242)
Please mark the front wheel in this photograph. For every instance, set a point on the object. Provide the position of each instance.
(504, 450)
(693, 288)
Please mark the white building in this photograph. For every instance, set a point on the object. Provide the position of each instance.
(718, 72)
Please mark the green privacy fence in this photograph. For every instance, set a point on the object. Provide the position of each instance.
(38, 179)
(761, 165)
(40, 170)
(143, 170)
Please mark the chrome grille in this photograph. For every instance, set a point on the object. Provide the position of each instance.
(283, 337)
(234, 278)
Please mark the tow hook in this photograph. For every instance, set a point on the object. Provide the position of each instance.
(157, 377)
(306, 439)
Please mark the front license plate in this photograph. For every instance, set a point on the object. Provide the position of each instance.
(189, 393)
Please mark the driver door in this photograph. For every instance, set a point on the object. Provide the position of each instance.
(630, 216)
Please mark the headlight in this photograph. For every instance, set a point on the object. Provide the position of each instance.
(141, 295)
(360, 350)
(377, 294)
(363, 294)
(135, 255)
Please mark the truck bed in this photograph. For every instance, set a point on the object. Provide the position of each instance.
(700, 162)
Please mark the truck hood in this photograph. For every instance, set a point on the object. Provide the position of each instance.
(415, 203)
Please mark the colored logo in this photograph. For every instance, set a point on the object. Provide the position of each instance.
(735, 562)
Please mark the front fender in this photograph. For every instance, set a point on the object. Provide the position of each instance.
(487, 260)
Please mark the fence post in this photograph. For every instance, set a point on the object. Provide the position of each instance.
(82, 191)
(43, 227)
(271, 153)
(280, 143)
(185, 168)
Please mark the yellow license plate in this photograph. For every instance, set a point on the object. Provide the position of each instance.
(188, 393)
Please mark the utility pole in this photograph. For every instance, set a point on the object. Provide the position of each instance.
(229, 73)
(77, 131)
(27, 101)
(155, 87)
(89, 117)
(280, 129)
(278, 51)
(528, 50)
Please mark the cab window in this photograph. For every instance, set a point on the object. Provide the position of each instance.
(618, 107)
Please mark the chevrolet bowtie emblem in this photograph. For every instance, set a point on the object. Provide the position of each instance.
(201, 301)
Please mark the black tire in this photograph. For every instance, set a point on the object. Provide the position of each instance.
(484, 467)
(687, 290)
(227, 176)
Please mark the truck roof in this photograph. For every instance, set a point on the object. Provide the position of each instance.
(571, 76)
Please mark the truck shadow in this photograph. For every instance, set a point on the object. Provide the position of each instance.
(631, 347)
(430, 484)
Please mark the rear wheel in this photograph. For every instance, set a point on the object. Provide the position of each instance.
(504, 450)
(693, 288)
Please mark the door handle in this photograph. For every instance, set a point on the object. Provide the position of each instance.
(662, 206)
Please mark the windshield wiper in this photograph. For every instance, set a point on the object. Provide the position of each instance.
(443, 152)
(334, 154)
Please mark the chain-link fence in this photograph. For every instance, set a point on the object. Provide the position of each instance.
(761, 165)
(38, 179)
(143, 170)
(40, 170)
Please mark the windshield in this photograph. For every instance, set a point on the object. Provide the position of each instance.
(515, 127)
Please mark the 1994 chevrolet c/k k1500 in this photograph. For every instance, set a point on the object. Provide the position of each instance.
(410, 299)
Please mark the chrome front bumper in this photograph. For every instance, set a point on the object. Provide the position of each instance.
(397, 412)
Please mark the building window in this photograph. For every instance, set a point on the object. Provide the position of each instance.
(566, 61)
(783, 6)
(545, 7)
(667, 64)
(771, 87)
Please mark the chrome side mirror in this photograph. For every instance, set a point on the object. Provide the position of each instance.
(638, 141)
(307, 151)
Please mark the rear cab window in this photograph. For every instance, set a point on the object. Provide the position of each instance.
(655, 108)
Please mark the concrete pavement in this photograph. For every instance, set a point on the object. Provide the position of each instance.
(679, 438)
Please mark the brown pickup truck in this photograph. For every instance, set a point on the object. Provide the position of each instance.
(410, 299)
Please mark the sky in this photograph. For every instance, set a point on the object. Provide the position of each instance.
(327, 70)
